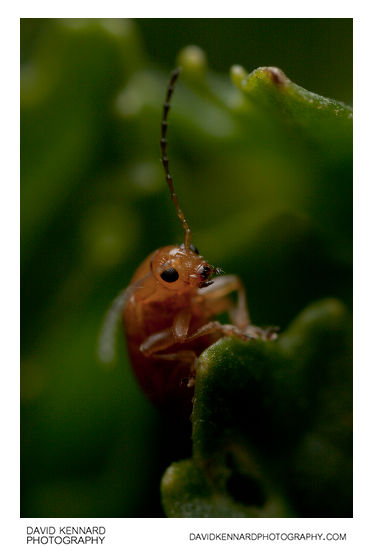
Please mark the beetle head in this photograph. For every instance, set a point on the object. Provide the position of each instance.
(181, 269)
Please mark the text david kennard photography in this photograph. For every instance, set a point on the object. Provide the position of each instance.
(66, 534)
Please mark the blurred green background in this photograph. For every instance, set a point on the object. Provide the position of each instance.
(264, 200)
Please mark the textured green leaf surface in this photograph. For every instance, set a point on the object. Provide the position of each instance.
(271, 425)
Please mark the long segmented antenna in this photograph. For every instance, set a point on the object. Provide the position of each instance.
(166, 108)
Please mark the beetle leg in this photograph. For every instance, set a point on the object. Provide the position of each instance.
(166, 338)
(158, 341)
(178, 333)
(250, 332)
(223, 286)
(216, 298)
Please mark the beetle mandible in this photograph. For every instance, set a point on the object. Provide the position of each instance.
(169, 307)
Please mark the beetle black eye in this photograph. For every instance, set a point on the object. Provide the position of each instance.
(170, 275)
(204, 271)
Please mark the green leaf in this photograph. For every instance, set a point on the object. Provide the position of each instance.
(271, 425)
(270, 89)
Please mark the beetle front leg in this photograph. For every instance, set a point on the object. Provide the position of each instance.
(223, 286)
(216, 299)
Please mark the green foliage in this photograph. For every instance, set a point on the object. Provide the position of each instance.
(271, 425)
(263, 171)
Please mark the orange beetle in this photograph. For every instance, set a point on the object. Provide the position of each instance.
(168, 311)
